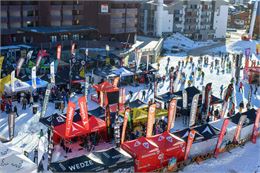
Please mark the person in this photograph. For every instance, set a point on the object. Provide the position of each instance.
(240, 86)
(150, 87)
(41, 133)
(15, 110)
(248, 106)
(62, 107)
(202, 75)
(216, 114)
(31, 101)
(163, 78)
(24, 102)
(168, 61)
(255, 89)
(221, 90)
(130, 94)
(241, 106)
(143, 94)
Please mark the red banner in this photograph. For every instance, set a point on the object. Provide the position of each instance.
(256, 126)
(58, 52)
(127, 112)
(116, 81)
(189, 143)
(72, 49)
(171, 114)
(83, 111)
(69, 119)
(239, 128)
(150, 121)
(221, 136)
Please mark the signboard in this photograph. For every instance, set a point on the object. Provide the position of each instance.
(104, 8)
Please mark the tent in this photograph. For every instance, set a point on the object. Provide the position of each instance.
(123, 72)
(170, 145)
(18, 86)
(115, 159)
(230, 131)
(3, 81)
(146, 154)
(141, 114)
(205, 139)
(106, 93)
(248, 125)
(83, 163)
(13, 161)
(39, 83)
(136, 104)
(98, 112)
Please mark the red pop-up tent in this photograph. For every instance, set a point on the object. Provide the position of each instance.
(145, 152)
(95, 124)
(170, 145)
(107, 93)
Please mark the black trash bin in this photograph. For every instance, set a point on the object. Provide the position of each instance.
(34, 109)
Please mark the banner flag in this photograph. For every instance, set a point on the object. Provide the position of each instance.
(11, 124)
(116, 81)
(1, 64)
(73, 49)
(207, 90)
(208, 103)
(184, 99)
(189, 143)
(86, 87)
(83, 111)
(171, 114)
(39, 57)
(203, 111)
(127, 114)
(58, 52)
(150, 121)
(52, 71)
(193, 111)
(69, 119)
(46, 100)
(29, 56)
(221, 136)
(107, 118)
(242, 119)
(19, 65)
(256, 126)
(12, 80)
(86, 52)
(34, 85)
(171, 83)
(155, 88)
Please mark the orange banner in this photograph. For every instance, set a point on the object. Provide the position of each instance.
(116, 81)
(69, 119)
(83, 111)
(189, 143)
(150, 121)
(242, 119)
(127, 114)
(171, 114)
(58, 52)
(221, 137)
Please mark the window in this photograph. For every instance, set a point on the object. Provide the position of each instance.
(30, 13)
(75, 36)
(64, 37)
(14, 39)
(53, 38)
(29, 24)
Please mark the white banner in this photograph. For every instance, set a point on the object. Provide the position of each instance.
(184, 99)
(193, 110)
(86, 87)
(29, 56)
(52, 73)
(86, 52)
(34, 85)
(12, 80)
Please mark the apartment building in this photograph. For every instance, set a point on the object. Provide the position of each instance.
(196, 19)
(115, 19)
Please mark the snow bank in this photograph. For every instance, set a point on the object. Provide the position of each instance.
(180, 41)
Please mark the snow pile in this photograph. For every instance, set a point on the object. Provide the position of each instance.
(241, 45)
(179, 41)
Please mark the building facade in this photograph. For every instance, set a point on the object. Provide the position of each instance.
(112, 18)
(196, 19)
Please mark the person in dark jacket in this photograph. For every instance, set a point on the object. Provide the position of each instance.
(15, 110)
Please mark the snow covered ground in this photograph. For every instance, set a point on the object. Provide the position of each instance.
(242, 160)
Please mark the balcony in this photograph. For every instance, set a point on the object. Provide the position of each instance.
(67, 7)
(119, 10)
(132, 29)
(55, 17)
(55, 7)
(131, 20)
(30, 7)
(131, 11)
(67, 17)
(117, 20)
(117, 30)
(15, 18)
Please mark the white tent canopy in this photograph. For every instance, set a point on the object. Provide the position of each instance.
(18, 86)
(13, 161)
(123, 72)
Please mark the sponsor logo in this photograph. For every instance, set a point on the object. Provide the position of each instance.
(160, 138)
(81, 165)
(146, 145)
(160, 157)
(169, 138)
(152, 109)
(137, 143)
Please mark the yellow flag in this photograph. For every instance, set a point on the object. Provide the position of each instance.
(82, 73)
(5, 80)
(1, 63)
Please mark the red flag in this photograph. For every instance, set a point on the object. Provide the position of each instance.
(72, 48)
(256, 126)
(59, 52)
(83, 111)
(171, 114)
(239, 127)
(69, 119)
(221, 136)
(127, 112)
(150, 121)
(116, 81)
(189, 143)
